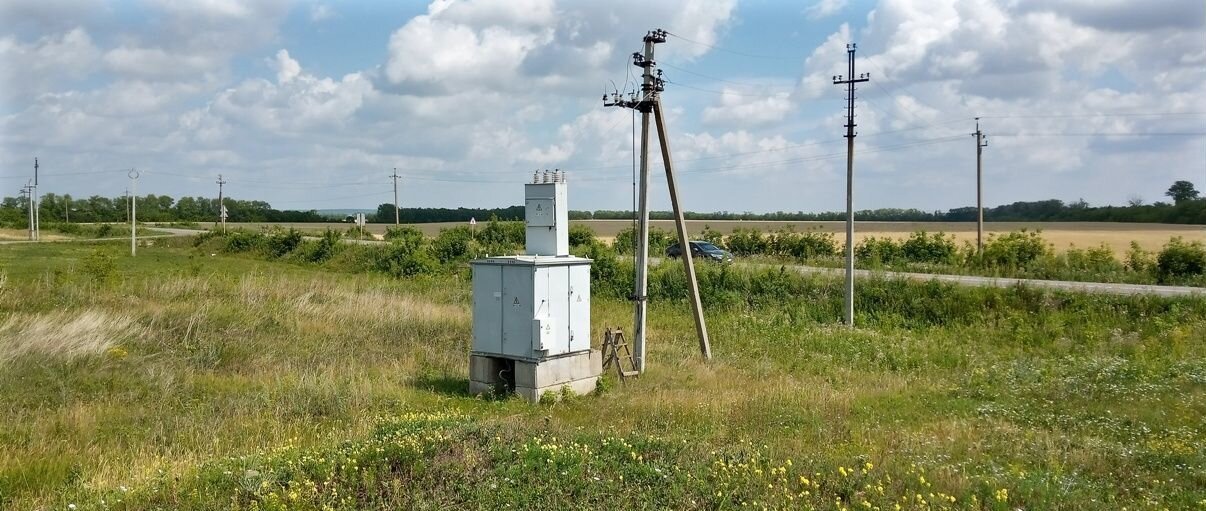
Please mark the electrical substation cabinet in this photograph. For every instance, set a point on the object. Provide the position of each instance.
(531, 307)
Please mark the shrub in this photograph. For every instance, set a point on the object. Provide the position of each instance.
(104, 230)
(659, 239)
(805, 245)
(1098, 259)
(501, 234)
(878, 251)
(1180, 259)
(1139, 260)
(748, 242)
(323, 248)
(100, 267)
(935, 248)
(580, 235)
(243, 241)
(452, 244)
(281, 242)
(406, 236)
(403, 260)
(1017, 249)
(712, 236)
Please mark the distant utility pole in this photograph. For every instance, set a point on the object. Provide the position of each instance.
(133, 211)
(397, 215)
(649, 102)
(37, 217)
(849, 80)
(221, 204)
(981, 143)
(26, 191)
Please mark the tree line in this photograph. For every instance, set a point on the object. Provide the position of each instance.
(1187, 208)
(151, 208)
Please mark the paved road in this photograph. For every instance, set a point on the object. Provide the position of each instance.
(1088, 287)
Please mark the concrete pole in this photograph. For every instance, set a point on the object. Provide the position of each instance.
(684, 242)
(221, 203)
(397, 213)
(641, 291)
(849, 81)
(37, 218)
(980, 144)
(133, 212)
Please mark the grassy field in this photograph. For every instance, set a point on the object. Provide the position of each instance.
(1062, 235)
(180, 380)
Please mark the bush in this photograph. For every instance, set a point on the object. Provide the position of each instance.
(659, 239)
(503, 234)
(748, 242)
(282, 242)
(1180, 259)
(1018, 249)
(1096, 260)
(104, 230)
(712, 236)
(935, 248)
(805, 245)
(402, 259)
(322, 249)
(878, 251)
(580, 235)
(243, 241)
(405, 236)
(1139, 260)
(452, 244)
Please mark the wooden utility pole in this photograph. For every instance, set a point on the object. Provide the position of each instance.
(981, 143)
(649, 102)
(397, 214)
(849, 82)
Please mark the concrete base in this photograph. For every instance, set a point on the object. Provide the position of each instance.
(577, 372)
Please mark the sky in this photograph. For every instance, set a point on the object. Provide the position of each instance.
(312, 105)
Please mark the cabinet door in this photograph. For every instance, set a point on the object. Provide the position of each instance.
(487, 308)
(579, 307)
(517, 309)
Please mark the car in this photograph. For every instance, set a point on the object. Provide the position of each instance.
(702, 249)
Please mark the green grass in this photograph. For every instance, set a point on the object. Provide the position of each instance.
(181, 380)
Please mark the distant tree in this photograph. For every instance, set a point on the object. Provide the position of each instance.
(1182, 191)
(1134, 201)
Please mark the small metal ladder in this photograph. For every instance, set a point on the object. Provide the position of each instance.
(615, 351)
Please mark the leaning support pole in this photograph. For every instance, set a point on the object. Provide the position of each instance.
(684, 243)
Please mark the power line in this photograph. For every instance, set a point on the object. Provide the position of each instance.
(726, 50)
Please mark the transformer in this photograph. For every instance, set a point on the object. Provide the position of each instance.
(531, 312)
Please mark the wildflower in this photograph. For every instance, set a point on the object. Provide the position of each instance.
(1002, 495)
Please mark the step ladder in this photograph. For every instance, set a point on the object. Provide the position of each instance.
(615, 352)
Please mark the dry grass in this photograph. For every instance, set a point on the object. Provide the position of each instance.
(64, 334)
(22, 235)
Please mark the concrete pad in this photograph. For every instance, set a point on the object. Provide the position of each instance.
(555, 371)
(580, 387)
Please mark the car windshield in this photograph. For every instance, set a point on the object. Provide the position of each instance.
(708, 247)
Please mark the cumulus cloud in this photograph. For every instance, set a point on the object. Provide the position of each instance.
(824, 9)
(748, 108)
(473, 91)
